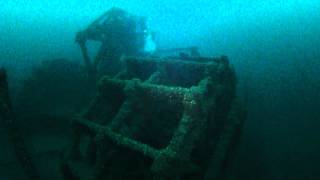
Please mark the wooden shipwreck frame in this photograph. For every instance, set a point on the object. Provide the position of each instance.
(159, 119)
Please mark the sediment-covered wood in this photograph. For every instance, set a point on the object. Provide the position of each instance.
(117, 138)
(196, 97)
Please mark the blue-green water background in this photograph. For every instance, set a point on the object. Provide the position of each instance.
(273, 44)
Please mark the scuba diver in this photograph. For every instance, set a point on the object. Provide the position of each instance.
(119, 33)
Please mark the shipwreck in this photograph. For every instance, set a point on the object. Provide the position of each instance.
(155, 117)
(164, 114)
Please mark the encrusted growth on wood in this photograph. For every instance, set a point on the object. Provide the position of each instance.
(171, 112)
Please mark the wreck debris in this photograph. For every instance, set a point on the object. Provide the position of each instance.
(8, 120)
(178, 117)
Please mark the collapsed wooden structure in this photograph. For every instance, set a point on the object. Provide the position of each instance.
(159, 119)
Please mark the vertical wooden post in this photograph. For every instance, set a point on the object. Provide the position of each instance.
(8, 120)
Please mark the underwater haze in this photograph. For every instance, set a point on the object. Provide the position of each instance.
(274, 46)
